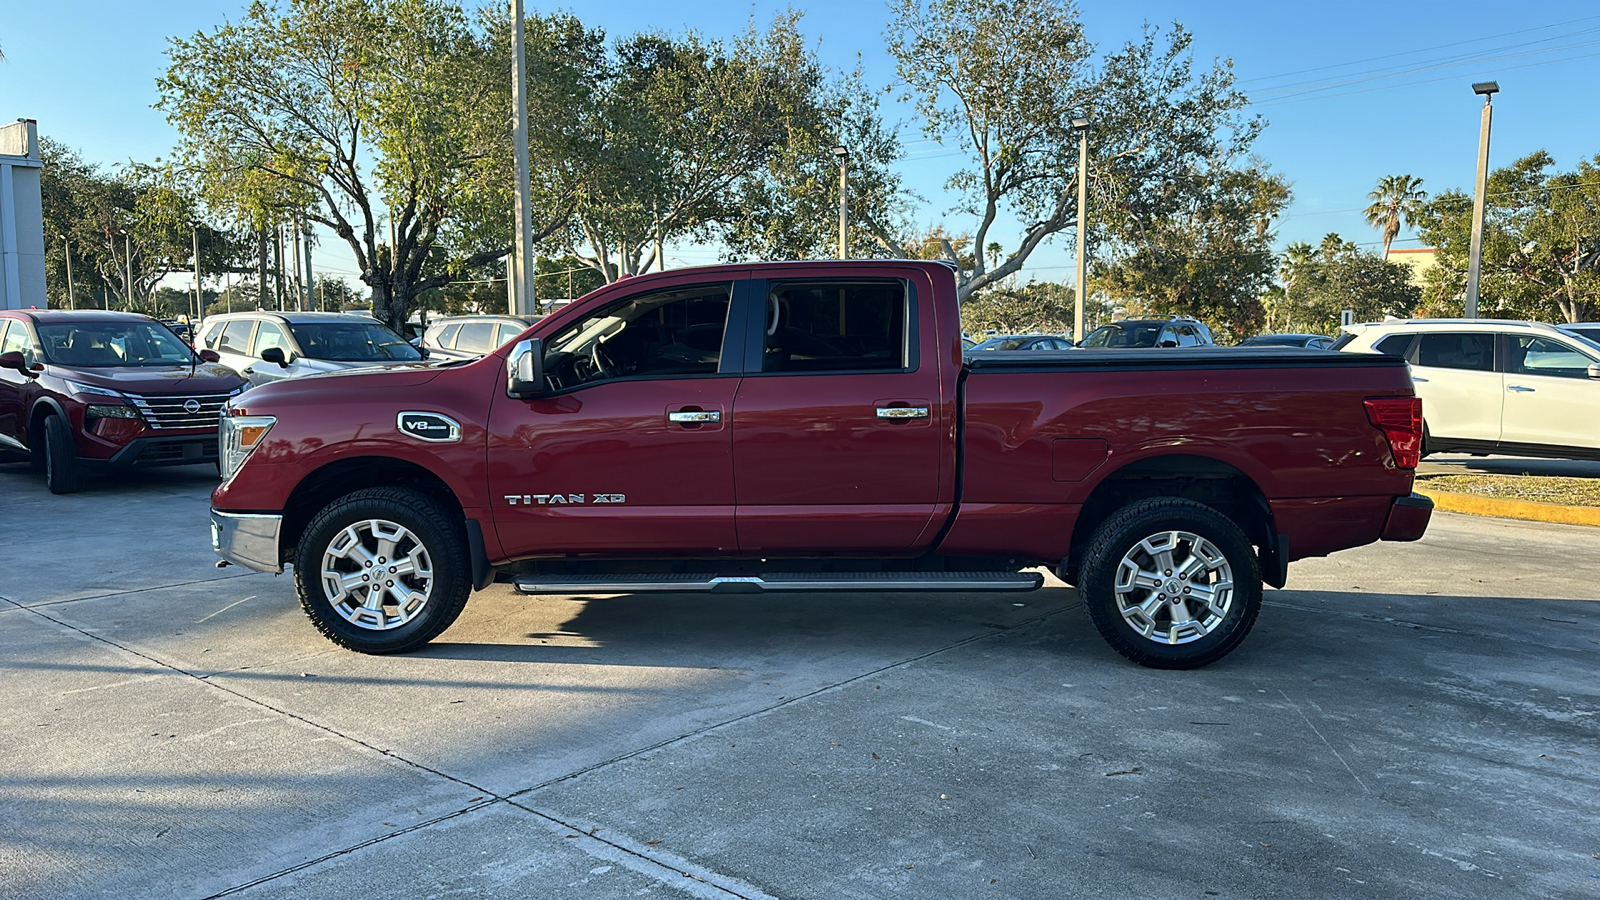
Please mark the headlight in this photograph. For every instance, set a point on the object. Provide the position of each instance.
(92, 390)
(237, 437)
(107, 411)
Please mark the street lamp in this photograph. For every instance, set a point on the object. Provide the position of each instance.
(842, 154)
(1080, 124)
(1479, 187)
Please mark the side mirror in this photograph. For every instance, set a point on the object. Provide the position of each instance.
(275, 355)
(210, 356)
(525, 369)
(1594, 369)
(13, 360)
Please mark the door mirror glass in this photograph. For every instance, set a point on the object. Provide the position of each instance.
(1594, 370)
(210, 356)
(525, 369)
(275, 355)
(12, 359)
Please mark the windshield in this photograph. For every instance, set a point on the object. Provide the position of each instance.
(1125, 334)
(352, 342)
(111, 344)
(1002, 343)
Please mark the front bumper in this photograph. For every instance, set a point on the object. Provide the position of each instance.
(247, 539)
(1408, 518)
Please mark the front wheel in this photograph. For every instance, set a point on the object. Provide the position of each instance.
(383, 570)
(1171, 583)
(60, 457)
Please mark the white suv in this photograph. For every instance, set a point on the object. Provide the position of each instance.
(1495, 386)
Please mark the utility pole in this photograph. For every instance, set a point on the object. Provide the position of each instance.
(1480, 186)
(261, 267)
(523, 299)
(199, 299)
(305, 230)
(127, 259)
(1080, 123)
(277, 265)
(299, 267)
(842, 153)
(72, 296)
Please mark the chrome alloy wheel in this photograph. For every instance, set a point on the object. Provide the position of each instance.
(377, 575)
(1174, 587)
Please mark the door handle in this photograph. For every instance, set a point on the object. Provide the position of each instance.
(695, 417)
(902, 412)
(1519, 388)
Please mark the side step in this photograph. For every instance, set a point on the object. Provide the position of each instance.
(804, 581)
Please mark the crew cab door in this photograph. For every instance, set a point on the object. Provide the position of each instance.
(839, 425)
(631, 453)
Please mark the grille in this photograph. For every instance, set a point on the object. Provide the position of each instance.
(167, 410)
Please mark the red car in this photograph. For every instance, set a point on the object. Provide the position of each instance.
(90, 389)
(814, 426)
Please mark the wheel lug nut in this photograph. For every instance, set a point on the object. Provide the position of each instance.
(369, 563)
(1169, 571)
(1186, 590)
(391, 584)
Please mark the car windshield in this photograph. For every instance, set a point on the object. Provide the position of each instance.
(1002, 343)
(1128, 334)
(108, 344)
(352, 342)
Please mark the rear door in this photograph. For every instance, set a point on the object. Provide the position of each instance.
(632, 453)
(1550, 400)
(838, 426)
(1455, 376)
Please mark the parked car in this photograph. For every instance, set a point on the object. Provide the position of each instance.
(1587, 330)
(1025, 342)
(271, 346)
(91, 389)
(1495, 386)
(1307, 341)
(469, 337)
(1149, 331)
(813, 426)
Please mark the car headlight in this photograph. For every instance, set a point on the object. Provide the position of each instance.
(110, 411)
(238, 437)
(90, 391)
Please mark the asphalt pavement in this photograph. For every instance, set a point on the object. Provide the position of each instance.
(1407, 720)
(1467, 464)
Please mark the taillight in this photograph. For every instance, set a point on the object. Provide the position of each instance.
(1400, 420)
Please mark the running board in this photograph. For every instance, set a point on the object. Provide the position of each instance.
(750, 584)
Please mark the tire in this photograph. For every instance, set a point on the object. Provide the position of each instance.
(60, 457)
(1427, 443)
(1202, 549)
(427, 583)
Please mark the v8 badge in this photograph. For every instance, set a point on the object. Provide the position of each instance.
(429, 426)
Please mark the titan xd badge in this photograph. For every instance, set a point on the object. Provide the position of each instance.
(429, 426)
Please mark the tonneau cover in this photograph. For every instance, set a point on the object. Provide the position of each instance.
(1175, 358)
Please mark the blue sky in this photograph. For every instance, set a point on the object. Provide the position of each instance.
(87, 73)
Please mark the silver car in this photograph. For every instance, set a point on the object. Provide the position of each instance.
(266, 346)
(469, 337)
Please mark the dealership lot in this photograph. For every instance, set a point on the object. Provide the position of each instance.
(1406, 720)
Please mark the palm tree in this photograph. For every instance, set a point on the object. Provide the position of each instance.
(1396, 198)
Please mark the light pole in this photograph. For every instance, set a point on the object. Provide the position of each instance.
(520, 270)
(72, 295)
(1080, 124)
(842, 154)
(1480, 186)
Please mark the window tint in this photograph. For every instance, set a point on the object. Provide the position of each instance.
(508, 330)
(447, 337)
(835, 327)
(267, 336)
(475, 337)
(234, 337)
(662, 334)
(1454, 350)
(1393, 345)
(1542, 356)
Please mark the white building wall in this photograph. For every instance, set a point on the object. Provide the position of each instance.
(21, 218)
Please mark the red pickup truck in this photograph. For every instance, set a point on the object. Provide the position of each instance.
(814, 426)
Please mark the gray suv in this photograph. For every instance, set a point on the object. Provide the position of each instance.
(266, 346)
(469, 337)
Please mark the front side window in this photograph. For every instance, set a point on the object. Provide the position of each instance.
(15, 339)
(351, 342)
(1542, 356)
(1456, 350)
(836, 327)
(114, 343)
(666, 334)
(269, 335)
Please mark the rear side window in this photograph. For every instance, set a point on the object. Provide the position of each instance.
(836, 327)
(1394, 345)
(1456, 350)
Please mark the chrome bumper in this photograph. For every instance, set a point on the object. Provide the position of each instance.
(248, 539)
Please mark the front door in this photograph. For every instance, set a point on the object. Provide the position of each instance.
(631, 454)
(13, 337)
(1550, 400)
(838, 425)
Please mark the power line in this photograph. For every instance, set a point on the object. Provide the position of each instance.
(1280, 96)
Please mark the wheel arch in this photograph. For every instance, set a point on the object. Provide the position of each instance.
(1194, 476)
(333, 480)
(42, 407)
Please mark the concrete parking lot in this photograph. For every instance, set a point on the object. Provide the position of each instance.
(1405, 721)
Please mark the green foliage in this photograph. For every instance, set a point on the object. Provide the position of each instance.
(1002, 80)
(1210, 258)
(1036, 307)
(1541, 244)
(1396, 199)
(1318, 285)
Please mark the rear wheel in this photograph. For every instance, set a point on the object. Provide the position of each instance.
(60, 457)
(383, 570)
(1171, 583)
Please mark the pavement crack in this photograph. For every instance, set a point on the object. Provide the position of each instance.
(1319, 734)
